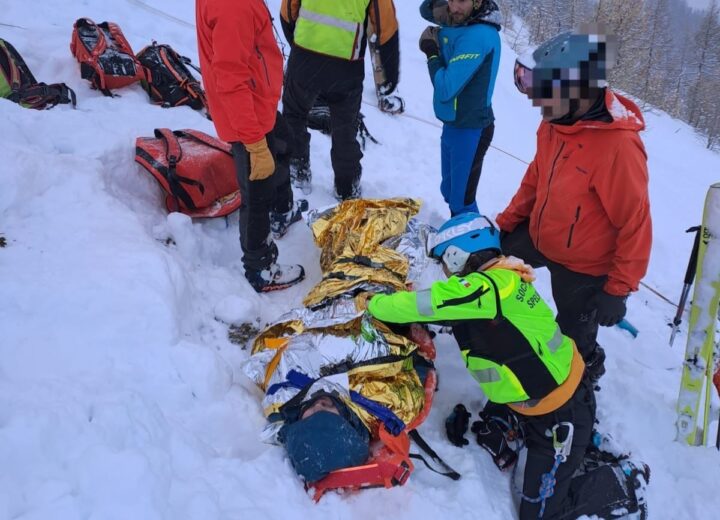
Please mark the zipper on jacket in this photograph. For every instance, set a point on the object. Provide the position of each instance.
(262, 59)
(572, 227)
(547, 195)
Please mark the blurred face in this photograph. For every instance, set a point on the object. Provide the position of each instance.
(323, 404)
(459, 10)
(552, 108)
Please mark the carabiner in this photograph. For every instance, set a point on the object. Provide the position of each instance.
(562, 449)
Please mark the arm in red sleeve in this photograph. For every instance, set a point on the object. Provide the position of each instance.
(233, 41)
(623, 192)
(522, 203)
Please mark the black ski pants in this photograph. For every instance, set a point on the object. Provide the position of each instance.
(260, 198)
(571, 290)
(597, 492)
(343, 94)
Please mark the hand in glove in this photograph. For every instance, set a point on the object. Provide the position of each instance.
(456, 425)
(429, 41)
(610, 309)
(491, 438)
(262, 164)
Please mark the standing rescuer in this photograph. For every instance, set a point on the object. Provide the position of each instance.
(515, 350)
(463, 58)
(242, 71)
(582, 208)
(329, 39)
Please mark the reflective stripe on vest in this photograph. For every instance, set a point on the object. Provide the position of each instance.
(423, 300)
(332, 27)
(498, 382)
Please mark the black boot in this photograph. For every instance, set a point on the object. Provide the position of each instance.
(275, 277)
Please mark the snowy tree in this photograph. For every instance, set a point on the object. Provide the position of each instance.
(706, 68)
(654, 86)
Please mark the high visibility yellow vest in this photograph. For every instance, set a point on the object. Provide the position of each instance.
(332, 27)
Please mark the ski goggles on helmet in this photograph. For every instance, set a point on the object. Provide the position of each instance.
(523, 77)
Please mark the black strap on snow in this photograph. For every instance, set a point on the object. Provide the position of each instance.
(173, 154)
(423, 445)
(41, 94)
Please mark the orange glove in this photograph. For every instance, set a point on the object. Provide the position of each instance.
(262, 164)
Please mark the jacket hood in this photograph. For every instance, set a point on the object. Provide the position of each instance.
(625, 113)
(436, 11)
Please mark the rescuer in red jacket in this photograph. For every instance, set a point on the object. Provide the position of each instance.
(582, 208)
(242, 70)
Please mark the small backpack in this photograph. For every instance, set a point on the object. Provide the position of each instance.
(105, 56)
(19, 85)
(196, 171)
(168, 81)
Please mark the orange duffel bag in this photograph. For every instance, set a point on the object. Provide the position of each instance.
(196, 171)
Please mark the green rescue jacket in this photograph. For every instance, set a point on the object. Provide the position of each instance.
(508, 335)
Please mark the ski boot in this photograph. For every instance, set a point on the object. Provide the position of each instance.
(637, 477)
(301, 175)
(356, 193)
(603, 450)
(280, 222)
(275, 277)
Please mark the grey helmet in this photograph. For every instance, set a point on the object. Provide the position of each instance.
(577, 62)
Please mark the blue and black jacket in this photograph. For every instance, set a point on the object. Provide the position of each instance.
(464, 74)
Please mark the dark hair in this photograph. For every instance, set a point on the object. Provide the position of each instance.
(476, 260)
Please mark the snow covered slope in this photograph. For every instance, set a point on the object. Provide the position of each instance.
(120, 394)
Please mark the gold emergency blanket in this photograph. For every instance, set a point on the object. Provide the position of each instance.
(350, 237)
(377, 361)
(330, 334)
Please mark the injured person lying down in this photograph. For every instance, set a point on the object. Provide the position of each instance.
(343, 390)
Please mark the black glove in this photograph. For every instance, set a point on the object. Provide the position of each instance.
(491, 437)
(429, 42)
(456, 425)
(610, 309)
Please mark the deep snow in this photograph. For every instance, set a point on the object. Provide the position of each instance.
(120, 394)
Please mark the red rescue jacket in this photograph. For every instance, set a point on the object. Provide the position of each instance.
(242, 67)
(586, 195)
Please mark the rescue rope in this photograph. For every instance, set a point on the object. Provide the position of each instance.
(547, 480)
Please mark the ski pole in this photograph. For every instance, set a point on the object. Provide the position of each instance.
(689, 276)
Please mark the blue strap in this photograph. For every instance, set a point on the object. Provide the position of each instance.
(392, 422)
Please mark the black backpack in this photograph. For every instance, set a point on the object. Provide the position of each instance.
(19, 85)
(168, 81)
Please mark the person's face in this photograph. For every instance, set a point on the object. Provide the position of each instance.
(323, 404)
(554, 107)
(460, 10)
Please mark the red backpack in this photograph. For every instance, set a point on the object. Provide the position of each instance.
(196, 171)
(105, 56)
